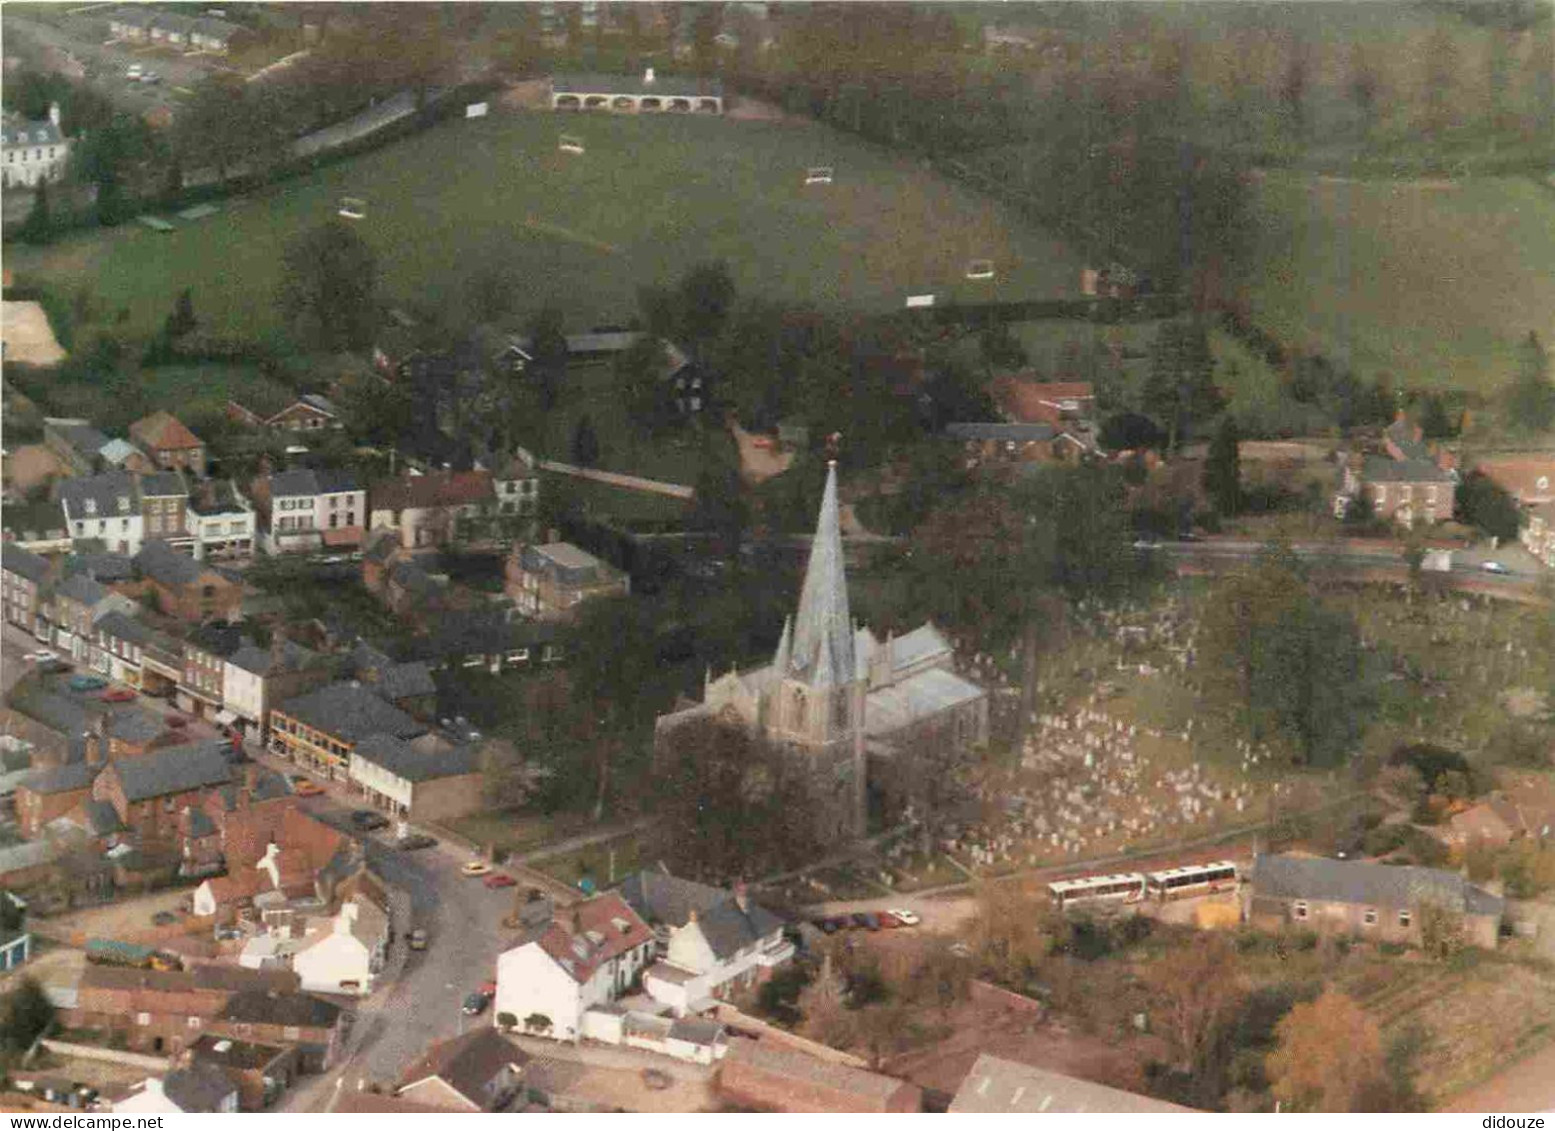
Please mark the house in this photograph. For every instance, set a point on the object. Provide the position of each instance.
(479, 1071)
(994, 444)
(105, 508)
(118, 646)
(33, 152)
(199, 1088)
(213, 36)
(346, 954)
(995, 1085)
(149, 793)
(768, 1077)
(221, 519)
(164, 503)
(423, 779)
(1538, 533)
(517, 483)
(491, 640)
(438, 508)
(550, 580)
(259, 1072)
(307, 413)
(558, 972)
(1348, 897)
(712, 942)
(170, 445)
(15, 939)
(76, 444)
(274, 853)
(1529, 478)
(79, 603)
(39, 527)
(1405, 440)
(166, 1011)
(310, 1023)
(193, 591)
(253, 678)
(1066, 405)
(310, 510)
(409, 686)
(23, 577)
(202, 683)
(1494, 821)
(649, 94)
(319, 730)
(132, 22)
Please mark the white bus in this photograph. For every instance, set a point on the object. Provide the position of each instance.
(1126, 887)
(1192, 879)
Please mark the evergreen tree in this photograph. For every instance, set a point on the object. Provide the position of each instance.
(39, 225)
(1530, 398)
(548, 346)
(1223, 469)
(1181, 387)
(182, 320)
(585, 442)
(328, 291)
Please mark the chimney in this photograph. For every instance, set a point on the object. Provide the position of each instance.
(648, 77)
(277, 648)
(54, 113)
(692, 917)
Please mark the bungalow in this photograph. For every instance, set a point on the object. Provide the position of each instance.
(995, 1085)
(320, 730)
(551, 580)
(560, 971)
(344, 955)
(170, 445)
(188, 589)
(479, 1071)
(424, 779)
(772, 1078)
(1349, 897)
(307, 413)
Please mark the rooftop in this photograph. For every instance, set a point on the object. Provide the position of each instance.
(352, 712)
(176, 769)
(997, 1085)
(404, 760)
(1375, 885)
(467, 1063)
(664, 86)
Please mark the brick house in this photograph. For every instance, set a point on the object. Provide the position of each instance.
(272, 846)
(1406, 491)
(52, 793)
(550, 580)
(192, 591)
(202, 684)
(23, 576)
(166, 1011)
(117, 647)
(424, 779)
(170, 445)
(319, 730)
(435, 509)
(150, 793)
(1348, 897)
(79, 602)
(164, 506)
(769, 1078)
(307, 413)
(275, 1017)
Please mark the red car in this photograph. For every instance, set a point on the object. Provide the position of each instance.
(177, 721)
(500, 880)
(118, 695)
(489, 989)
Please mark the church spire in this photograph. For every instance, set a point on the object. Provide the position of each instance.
(785, 648)
(823, 628)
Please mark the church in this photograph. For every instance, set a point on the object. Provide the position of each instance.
(839, 697)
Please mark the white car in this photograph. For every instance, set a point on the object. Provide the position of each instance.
(134, 73)
(1494, 567)
(476, 868)
(43, 655)
(905, 917)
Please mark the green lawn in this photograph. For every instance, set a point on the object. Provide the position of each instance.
(651, 197)
(1434, 283)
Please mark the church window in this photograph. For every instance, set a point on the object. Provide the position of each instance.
(798, 719)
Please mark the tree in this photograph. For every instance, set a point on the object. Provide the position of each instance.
(706, 297)
(1223, 468)
(1483, 503)
(1012, 931)
(1329, 1058)
(1180, 390)
(39, 225)
(537, 1023)
(182, 320)
(1530, 398)
(548, 349)
(823, 1006)
(1199, 988)
(26, 1013)
(507, 1021)
(585, 442)
(329, 288)
(508, 779)
(1435, 423)
(1442, 933)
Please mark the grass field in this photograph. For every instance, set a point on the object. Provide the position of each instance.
(1432, 282)
(651, 197)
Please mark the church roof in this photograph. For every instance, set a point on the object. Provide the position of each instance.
(822, 653)
(915, 699)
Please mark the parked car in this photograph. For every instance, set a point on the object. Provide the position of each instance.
(500, 880)
(150, 77)
(418, 939)
(871, 921)
(118, 695)
(228, 934)
(904, 917)
(827, 925)
(302, 787)
(164, 919)
(475, 1004)
(135, 71)
(475, 868)
(415, 841)
(488, 990)
(87, 683)
(43, 655)
(51, 665)
(858, 919)
(367, 820)
(177, 722)
(1494, 567)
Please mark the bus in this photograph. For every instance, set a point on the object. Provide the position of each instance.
(1192, 879)
(1126, 887)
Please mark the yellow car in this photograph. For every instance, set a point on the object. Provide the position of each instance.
(476, 868)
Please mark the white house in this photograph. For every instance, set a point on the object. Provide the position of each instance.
(104, 507)
(254, 677)
(712, 942)
(221, 520)
(588, 958)
(31, 152)
(345, 953)
(197, 1089)
(310, 510)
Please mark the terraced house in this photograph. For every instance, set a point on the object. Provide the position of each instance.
(321, 729)
(23, 576)
(104, 508)
(305, 511)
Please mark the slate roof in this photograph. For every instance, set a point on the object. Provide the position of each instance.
(122, 626)
(335, 480)
(163, 430)
(105, 491)
(80, 587)
(728, 929)
(1371, 885)
(197, 1088)
(175, 769)
(352, 712)
(63, 779)
(102, 819)
(566, 562)
(404, 681)
(82, 437)
(200, 823)
(297, 482)
(103, 567)
(24, 563)
(997, 1085)
(257, 1007)
(216, 496)
(163, 484)
(696, 1031)
(889, 709)
(1380, 469)
(663, 899)
(1402, 433)
(467, 1063)
(1019, 433)
(575, 952)
(30, 522)
(135, 725)
(42, 132)
(257, 661)
(216, 639)
(160, 562)
(404, 760)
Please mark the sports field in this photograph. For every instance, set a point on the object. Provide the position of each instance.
(1434, 282)
(648, 198)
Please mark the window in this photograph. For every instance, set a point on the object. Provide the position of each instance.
(1403, 918)
(91, 506)
(143, 1019)
(1430, 494)
(1382, 493)
(1299, 910)
(1370, 918)
(194, 1022)
(1543, 483)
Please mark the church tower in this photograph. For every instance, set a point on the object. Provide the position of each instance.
(817, 704)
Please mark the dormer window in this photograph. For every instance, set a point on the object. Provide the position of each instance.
(124, 503)
(91, 506)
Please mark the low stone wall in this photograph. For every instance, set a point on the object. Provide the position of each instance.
(156, 1064)
(991, 996)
